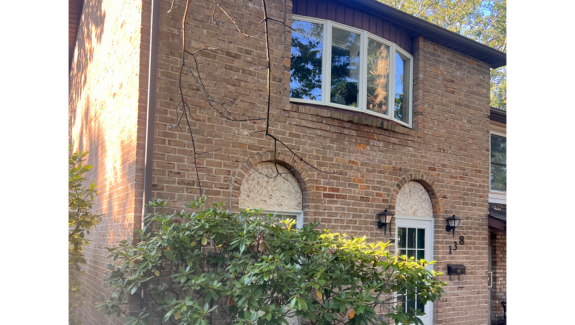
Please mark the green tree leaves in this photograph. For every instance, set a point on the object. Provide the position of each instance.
(482, 20)
(80, 221)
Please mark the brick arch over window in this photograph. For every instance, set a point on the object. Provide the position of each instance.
(296, 168)
(428, 183)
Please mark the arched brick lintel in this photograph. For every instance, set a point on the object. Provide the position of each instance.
(428, 183)
(297, 169)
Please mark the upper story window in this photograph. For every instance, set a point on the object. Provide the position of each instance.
(337, 65)
(498, 163)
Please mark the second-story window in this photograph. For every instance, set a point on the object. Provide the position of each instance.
(336, 65)
(498, 163)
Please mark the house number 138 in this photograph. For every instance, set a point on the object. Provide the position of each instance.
(461, 242)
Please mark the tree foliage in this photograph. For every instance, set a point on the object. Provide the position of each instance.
(249, 268)
(482, 20)
(80, 221)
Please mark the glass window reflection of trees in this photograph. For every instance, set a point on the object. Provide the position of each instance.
(498, 163)
(306, 60)
(357, 80)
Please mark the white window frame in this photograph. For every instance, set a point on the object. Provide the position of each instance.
(328, 26)
(429, 225)
(498, 196)
(296, 213)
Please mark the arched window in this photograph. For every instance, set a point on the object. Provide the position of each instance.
(276, 194)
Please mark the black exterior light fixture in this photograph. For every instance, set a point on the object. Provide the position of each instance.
(384, 220)
(452, 223)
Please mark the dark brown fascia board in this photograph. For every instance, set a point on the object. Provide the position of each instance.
(498, 115)
(434, 33)
(74, 15)
(497, 224)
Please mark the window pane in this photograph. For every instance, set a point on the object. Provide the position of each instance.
(420, 238)
(420, 255)
(411, 238)
(306, 60)
(498, 177)
(377, 76)
(498, 149)
(401, 232)
(498, 163)
(345, 67)
(279, 217)
(401, 109)
(411, 253)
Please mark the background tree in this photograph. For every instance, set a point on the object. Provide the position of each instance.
(80, 221)
(211, 266)
(482, 20)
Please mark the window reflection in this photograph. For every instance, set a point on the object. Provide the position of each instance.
(498, 163)
(401, 109)
(306, 60)
(345, 67)
(377, 76)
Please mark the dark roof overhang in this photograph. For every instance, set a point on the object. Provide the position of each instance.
(497, 217)
(434, 33)
(498, 115)
(74, 15)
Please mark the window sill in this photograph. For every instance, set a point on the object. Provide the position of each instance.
(350, 116)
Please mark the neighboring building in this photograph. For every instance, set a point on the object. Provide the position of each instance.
(398, 107)
(498, 216)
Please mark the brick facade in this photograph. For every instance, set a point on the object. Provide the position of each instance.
(498, 244)
(447, 151)
(108, 80)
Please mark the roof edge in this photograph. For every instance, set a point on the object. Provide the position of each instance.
(493, 57)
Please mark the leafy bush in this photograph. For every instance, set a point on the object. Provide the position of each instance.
(248, 268)
(80, 221)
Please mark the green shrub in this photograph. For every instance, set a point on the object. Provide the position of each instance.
(247, 268)
(80, 221)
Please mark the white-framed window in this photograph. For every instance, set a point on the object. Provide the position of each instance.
(498, 162)
(344, 67)
(285, 214)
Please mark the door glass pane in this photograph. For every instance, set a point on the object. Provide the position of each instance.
(306, 60)
(345, 67)
(401, 232)
(420, 306)
(420, 254)
(377, 76)
(420, 238)
(411, 238)
(402, 81)
(410, 305)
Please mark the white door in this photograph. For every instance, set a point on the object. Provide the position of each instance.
(414, 237)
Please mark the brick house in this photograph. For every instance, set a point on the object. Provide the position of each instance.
(397, 107)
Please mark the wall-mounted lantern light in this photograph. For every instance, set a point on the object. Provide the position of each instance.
(452, 223)
(384, 220)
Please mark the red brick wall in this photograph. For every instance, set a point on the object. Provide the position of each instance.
(447, 150)
(105, 118)
(499, 268)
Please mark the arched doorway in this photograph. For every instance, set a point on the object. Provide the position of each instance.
(414, 234)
